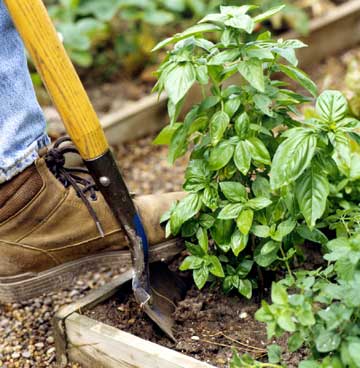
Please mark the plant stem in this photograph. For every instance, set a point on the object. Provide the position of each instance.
(286, 263)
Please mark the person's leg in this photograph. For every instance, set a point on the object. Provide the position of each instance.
(22, 124)
(53, 221)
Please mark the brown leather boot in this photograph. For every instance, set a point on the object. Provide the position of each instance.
(48, 231)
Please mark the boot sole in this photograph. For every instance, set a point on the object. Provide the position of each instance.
(26, 286)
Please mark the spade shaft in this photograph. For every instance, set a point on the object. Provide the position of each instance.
(82, 124)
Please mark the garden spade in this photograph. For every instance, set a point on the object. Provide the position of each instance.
(156, 295)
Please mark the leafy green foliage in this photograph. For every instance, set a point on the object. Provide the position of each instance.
(320, 308)
(263, 178)
(109, 34)
(263, 182)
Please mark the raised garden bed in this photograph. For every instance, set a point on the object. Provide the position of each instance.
(92, 342)
(95, 344)
(108, 329)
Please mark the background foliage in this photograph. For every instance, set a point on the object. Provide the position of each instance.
(110, 34)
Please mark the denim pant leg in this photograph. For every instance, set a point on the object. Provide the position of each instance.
(22, 123)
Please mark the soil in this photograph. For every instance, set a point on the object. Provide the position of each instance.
(208, 325)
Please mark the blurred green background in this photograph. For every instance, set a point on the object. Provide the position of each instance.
(112, 36)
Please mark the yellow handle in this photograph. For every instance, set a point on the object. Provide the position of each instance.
(62, 82)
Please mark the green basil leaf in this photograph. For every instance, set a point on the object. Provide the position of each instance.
(206, 221)
(245, 288)
(258, 203)
(268, 14)
(284, 228)
(291, 159)
(312, 190)
(184, 210)
(164, 137)
(285, 321)
(261, 187)
(264, 104)
(234, 191)
(243, 22)
(216, 267)
(258, 151)
(191, 263)
(265, 260)
(261, 231)
(242, 125)
(194, 249)
(232, 106)
(221, 155)
(238, 242)
(222, 231)
(202, 74)
(252, 71)
(178, 144)
(314, 235)
(189, 228)
(197, 175)
(259, 53)
(224, 57)
(245, 220)
(197, 29)
(211, 197)
(299, 76)
(218, 125)
(242, 157)
(270, 247)
(230, 211)
(354, 351)
(235, 11)
(306, 317)
(179, 80)
(202, 238)
(200, 276)
(244, 268)
(331, 106)
(295, 342)
(342, 154)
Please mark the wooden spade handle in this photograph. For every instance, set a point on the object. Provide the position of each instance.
(57, 72)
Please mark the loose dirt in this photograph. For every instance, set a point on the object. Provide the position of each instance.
(208, 325)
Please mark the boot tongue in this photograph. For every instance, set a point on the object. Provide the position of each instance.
(77, 177)
(18, 192)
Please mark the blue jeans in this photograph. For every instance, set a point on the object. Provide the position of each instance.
(22, 123)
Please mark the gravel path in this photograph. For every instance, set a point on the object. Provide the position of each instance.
(26, 339)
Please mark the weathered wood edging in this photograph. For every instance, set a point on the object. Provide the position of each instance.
(94, 344)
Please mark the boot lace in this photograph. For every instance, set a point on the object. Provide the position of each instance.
(77, 177)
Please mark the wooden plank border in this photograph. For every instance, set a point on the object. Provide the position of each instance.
(95, 344)
(159, 252)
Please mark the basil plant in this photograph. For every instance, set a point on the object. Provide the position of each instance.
(261, 181)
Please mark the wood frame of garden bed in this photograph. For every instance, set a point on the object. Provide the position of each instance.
(148, 115)
(94, 344)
